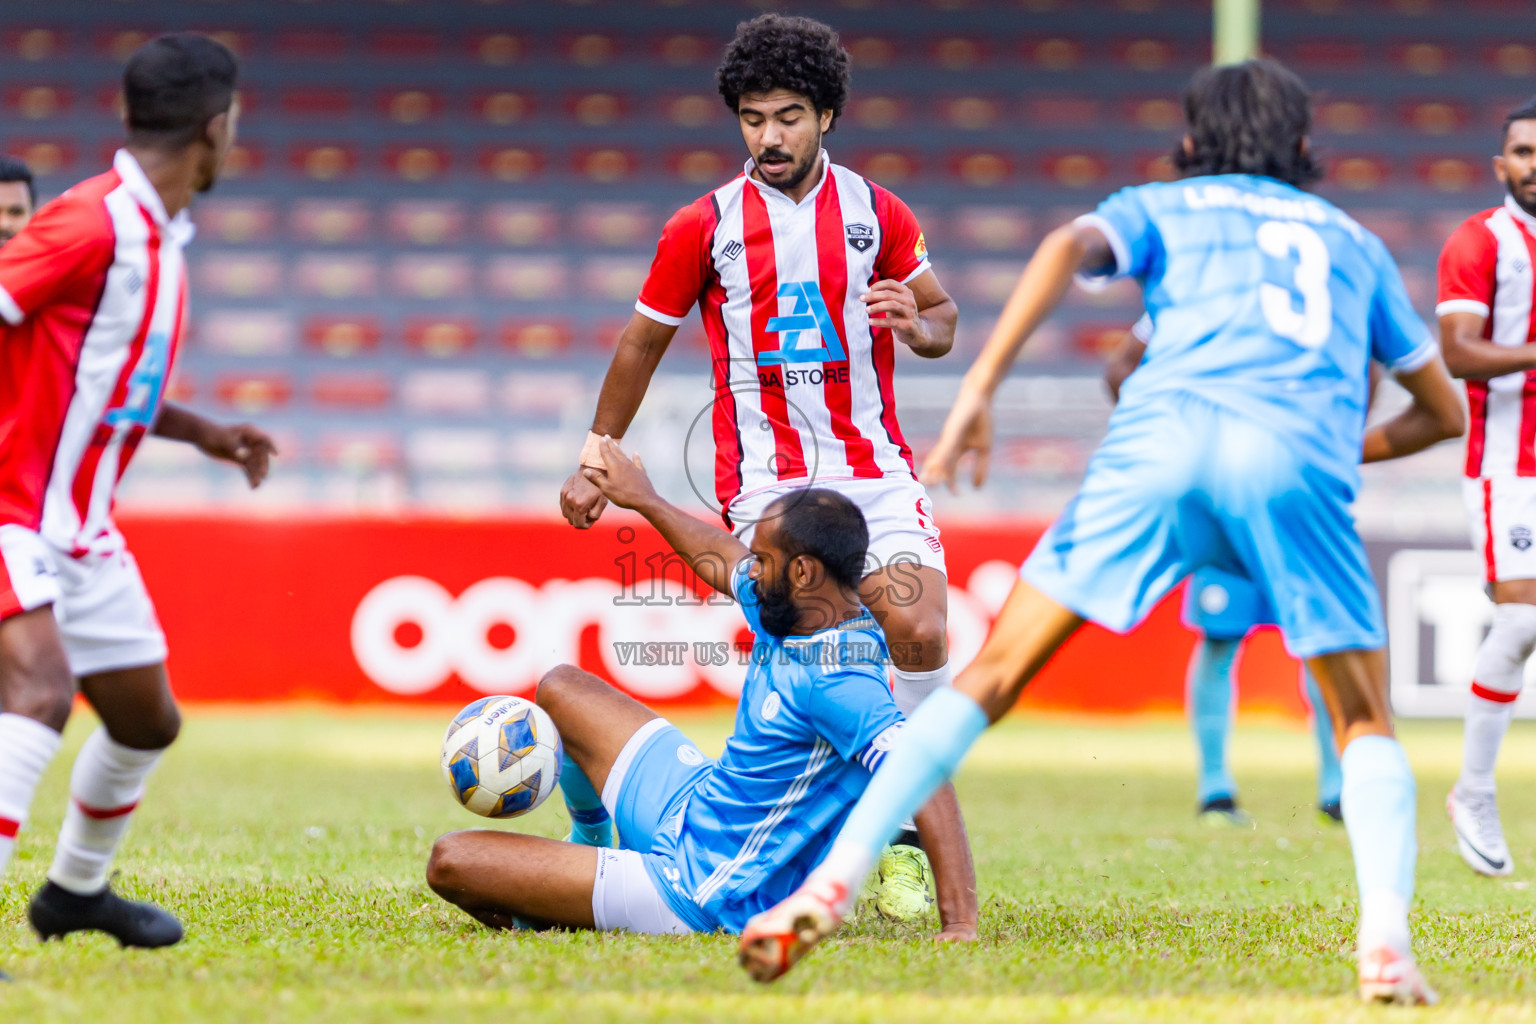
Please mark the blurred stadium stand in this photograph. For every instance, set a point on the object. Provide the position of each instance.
(441, 210)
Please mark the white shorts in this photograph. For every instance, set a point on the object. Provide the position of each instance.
(1501, 516)
(105, 616)
(896, 509)
(624, 899)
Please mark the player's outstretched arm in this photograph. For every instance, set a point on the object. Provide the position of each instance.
(711, 551)
(942, 829)
(1066, 251)
(1472, 357)
(1435, 415)
(245, 445)
(641, 345)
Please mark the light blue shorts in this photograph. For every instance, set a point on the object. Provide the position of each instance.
(1183, 483)
(1224, 606)
(650, 780)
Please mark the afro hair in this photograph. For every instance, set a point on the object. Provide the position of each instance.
(777, 52)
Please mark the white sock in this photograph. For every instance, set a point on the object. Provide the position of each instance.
(26, 747)
(1496, 682)
(912, 688)
(1384, 920)
(104, 788)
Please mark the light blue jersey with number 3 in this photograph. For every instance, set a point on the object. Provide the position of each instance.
(1264, 299)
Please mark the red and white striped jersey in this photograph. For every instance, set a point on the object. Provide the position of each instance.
(1486, 268)
(93, 294)
(802, 380)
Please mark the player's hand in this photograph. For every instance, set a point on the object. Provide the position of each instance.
(967, 429)
(244, 445)
(581, 502)
(622, 478)
(892, 304)
(958, 932)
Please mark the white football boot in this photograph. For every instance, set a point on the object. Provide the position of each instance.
(1479, 834)
(1387, 976)
(775, 940)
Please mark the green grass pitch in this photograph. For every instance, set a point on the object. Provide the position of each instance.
(292, 844)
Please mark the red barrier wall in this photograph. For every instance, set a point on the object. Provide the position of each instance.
(375, 610)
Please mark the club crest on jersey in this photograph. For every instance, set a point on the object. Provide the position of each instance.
(861, 236)
(1520, 537)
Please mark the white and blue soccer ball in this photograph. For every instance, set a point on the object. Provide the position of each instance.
(502, 756)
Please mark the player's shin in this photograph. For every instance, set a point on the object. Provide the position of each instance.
(1330, 779)
(1496, 682)
(590, 824)
(926, 753)
(26, 747)
(104, 788)
(1380, 812)
(1210, 714)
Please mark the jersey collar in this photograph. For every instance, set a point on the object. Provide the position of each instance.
(1520, 215)
(137, 183)
(769, 191)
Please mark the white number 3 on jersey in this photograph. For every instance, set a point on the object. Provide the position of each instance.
(1310, 325)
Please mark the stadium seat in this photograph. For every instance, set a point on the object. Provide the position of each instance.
(1345, 116)
(34, 44)
(596, 109)
(606, 166)
(980, 169)
(331, 221)
(1052, 53)
(441, 337)
(706, 168)
(1451, 173)
(959, 53)
(686, 50)
(1517, 60)
(343, 336)
(235, 221)
(238, 275)
(358, 451)
(1421, 58)
(695, 110)
(614, 278)
(1392, 226)
(411, 106)
(520, 224)
(36, 102)
(1358, 172)
(991, 228)
(314, 102)
(889, 167)
(245, 332)
(445, 392)
(971, 113)
(1331, 54)
(323, 162)
(244, 160)
(426, 221)
(877, 113)
(118, 44)
(392, 46)
(1076, 169)
(591, 49)
(1434, 117)
(1157, 114)
(511, 164)
(1155, 166)
(497, 49)
(336, 275)
(432, 276)
(1148, 54)
(503, 107)
(312, 44)
(253, 393)
(418, 163)
(868, 53)
(617, 225)
(535, 339)
(44, 156)
(362, 390)
(527, 278)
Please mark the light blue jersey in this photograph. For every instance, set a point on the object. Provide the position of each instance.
(1236, 443)
(815, 718)
(1264, 299)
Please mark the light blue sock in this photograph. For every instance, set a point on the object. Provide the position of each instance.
(1380, 815)
(1330, 779)
(590, 824)
(926, 753)
(1210, 714)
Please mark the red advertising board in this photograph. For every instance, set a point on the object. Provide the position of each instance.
(444, 610)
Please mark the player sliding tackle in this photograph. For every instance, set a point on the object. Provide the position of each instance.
(1234, 445)
(707, 844)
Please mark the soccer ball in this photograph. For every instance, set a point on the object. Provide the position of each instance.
(502, 756)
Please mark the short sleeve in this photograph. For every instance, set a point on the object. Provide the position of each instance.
(903, 249)
(1465, 275)
(1127, 226)
(1400, 341)
(59, 247)
(744, 589)
(851, 707)
(681, 266)
(1141, 330)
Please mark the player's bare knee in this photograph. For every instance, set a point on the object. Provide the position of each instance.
(445, 866)
(560, 685)
(154, 733)
(40, 690)
(917, 639)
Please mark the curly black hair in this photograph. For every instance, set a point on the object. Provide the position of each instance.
(1249, 118)
(776, 52)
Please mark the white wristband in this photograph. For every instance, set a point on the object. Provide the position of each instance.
(591, 455)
